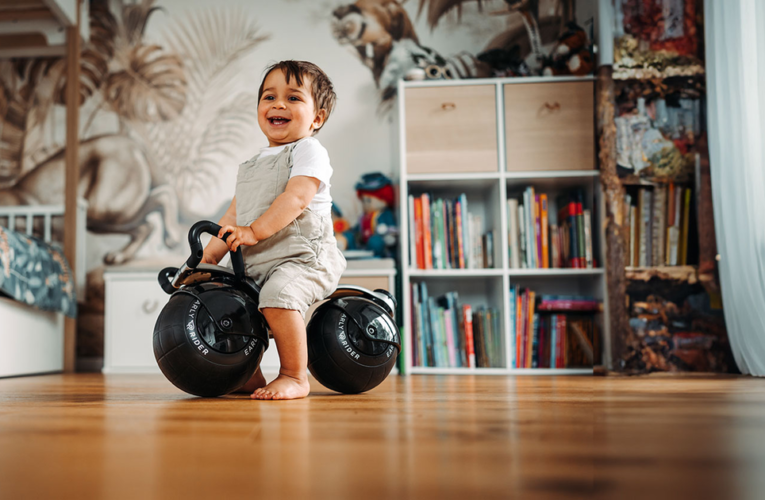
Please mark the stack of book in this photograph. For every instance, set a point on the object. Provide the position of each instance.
(444, 235)
(549, 234)
(449, 334)
(547, 331)
(658, 218)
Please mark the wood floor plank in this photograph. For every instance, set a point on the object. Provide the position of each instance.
(136, 436)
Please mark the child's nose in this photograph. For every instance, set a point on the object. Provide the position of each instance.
(279, 104)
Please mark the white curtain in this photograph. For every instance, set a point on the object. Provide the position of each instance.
(735, 54)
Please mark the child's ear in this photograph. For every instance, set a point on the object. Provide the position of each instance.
(318, 120)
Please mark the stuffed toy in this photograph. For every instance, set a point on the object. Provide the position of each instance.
(571, 54)
(376, 229)
(340, 226)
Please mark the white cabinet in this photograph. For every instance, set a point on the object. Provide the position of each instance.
(133, 302)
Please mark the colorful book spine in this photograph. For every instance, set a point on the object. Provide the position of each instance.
(465, 229)
(588, 239)
(522, 236)
(685, 227)
(512, 236)
(544, 237)
(449, 334)
(561, 351)
(553, 339)
(460, 235)
(530, 332)
(538, 232)
(467, 321)
(427, 232)
(580, 228)
(418, 233)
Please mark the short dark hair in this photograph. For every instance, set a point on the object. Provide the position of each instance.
(322, 90)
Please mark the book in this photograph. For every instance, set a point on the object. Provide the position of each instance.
(531, 314)
(537, 232)
(417, 346)
(587, 239)
(460, 234)
(534, 355)
(465, 229)
(544, 237)
(418, 233)
(451, 245)
(467, 319)
(488, 250)
(449, 334)
(412, 236)
(555, 247)
(512, 236)
(633, 236)
(685, 227)
(553, 339)
(479, 340)
(579, 200)
(645, 224)
(522, 236)
(560, 360)
(513, 313)
(427, 232)
(531, 235)
(658, 225)
(518, 326)
(669, 219)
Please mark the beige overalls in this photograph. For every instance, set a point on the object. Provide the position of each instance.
(300, 264)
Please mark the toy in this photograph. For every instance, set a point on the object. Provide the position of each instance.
(376, 229)
(210, 337)
(571, 54)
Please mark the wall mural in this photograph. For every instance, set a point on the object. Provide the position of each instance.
(383, 37)
(160, 114)
(176, 110)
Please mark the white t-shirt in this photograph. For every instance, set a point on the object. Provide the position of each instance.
(309, 158)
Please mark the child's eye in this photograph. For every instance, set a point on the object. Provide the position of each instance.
(294, 98)
(268, 98)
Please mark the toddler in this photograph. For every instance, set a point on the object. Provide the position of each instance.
(281, 217)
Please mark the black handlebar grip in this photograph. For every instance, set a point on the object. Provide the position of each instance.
(197, 249)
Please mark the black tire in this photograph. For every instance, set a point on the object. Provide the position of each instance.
(339, 365)
(190, 363)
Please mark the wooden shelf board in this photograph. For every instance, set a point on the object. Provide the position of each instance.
(687, 274)
(429, 370)
(454, 273)
(554, 272)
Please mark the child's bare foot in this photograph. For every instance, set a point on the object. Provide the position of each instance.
(284, 387)
(256, 382)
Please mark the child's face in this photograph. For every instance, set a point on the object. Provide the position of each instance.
(286, 112)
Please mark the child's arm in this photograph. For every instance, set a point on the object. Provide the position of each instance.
(286, 207)
(216, 249)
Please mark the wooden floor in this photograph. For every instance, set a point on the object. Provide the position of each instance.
(92, 436)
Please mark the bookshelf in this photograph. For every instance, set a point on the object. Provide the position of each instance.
(452, 140)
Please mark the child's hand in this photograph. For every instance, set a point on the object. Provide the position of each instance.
(208, 259)
(240, 235)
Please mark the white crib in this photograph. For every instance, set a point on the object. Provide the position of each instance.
(33, 340)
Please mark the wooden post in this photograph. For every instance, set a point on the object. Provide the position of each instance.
(72, 176)
(616, 233)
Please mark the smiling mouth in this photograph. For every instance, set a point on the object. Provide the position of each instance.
(278, 120)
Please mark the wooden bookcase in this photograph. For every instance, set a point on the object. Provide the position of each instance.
(460, 137)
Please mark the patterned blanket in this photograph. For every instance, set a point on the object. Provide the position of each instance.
(36, 273)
